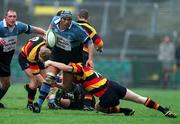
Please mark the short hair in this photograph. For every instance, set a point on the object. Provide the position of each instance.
(9, 10)
(84, 14)
(44, 53)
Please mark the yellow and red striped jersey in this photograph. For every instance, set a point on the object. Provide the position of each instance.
(91, 80)
(32, 48)
(92, 34)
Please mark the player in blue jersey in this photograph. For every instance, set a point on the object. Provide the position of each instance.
(68, 48)
(10, 28)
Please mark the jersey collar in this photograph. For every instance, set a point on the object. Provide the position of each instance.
(5, 24)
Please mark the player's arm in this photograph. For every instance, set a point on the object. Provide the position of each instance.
(89, 43)
(39, 30)
(59, 65)
(85, 38)
(90, 55)
(98, 42)
(26, 28)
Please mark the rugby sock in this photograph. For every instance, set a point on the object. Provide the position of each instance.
(31, 95)
(154, 105)
(88, 99)
(2, 93)
(45, 88)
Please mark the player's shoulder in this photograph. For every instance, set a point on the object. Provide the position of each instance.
(56, 19)
(86, 24)
(76, 26)
(19, 23)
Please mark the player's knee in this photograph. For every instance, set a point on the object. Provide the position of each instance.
(50, 78)
(140, 99)
(98, 108)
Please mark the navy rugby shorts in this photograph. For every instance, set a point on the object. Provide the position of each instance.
(113, 94)
(5, 62)
(24, 63)
(60, 55)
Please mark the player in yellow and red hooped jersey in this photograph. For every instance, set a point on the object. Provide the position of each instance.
(31, 63)
(109, 92)
(83, 19)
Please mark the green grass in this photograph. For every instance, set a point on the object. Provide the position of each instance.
(15, 112)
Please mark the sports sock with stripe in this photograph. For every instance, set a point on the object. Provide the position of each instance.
(45, 88)
(154, 105)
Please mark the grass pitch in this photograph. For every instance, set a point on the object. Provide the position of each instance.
(15, 112)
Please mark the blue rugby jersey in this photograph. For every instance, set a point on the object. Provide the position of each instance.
(10, 34)
(71, 37)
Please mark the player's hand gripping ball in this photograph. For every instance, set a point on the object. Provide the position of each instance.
(50, 39)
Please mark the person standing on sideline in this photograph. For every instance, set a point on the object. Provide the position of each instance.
(166, 56)
(10, 28)
(68, 48)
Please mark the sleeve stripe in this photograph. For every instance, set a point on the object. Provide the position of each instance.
(87, 40)
(28, 29)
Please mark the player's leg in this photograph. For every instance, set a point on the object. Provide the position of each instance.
(109, 102)
(31, 87)
(5, 72)
(53, 99)
(4, 85)
(67, 81)
(148, 102)
(88, 101)
(114, 109)
(45, 87)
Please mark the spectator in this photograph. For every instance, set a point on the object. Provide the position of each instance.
(166, 56)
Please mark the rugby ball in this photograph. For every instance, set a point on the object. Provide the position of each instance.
(50, 39)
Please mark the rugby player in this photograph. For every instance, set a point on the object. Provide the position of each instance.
(83, 19)
(10, 28)
(68, 48)
(109, 92)
(31, 62)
